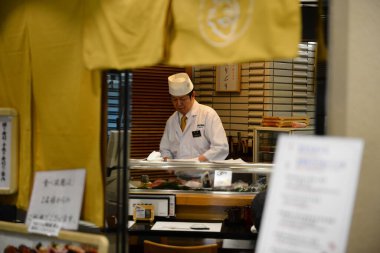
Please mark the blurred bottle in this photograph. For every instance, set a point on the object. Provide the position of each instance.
(206, 182)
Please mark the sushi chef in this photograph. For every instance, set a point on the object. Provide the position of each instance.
(193, 131)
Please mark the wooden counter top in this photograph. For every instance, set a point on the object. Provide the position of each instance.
(205, 198)
(199, 199)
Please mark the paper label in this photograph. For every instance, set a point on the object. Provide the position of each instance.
(222, 178)
(140, 212)
(49, 228)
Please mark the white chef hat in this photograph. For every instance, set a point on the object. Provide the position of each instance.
(180, 84)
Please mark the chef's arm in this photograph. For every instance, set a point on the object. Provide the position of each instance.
(164, 145)
(218, 141)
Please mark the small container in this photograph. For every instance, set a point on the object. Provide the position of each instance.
(145, 183)
(206, 182)
(144, 179)
(247, 215)
(233, 215)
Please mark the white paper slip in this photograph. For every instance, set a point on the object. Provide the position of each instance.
(192, 160)
(49, 228)
(154, 156)
(131, 223)
(187, 226)
(230, 161)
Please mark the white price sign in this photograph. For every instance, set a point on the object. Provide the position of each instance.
(57, 197)
(222, 178)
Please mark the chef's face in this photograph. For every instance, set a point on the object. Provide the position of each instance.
(183, 104)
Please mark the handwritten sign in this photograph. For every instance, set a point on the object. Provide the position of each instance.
(311, 195)
(228, 78)
(8, 151)
(5, 154)
(57, 197)
(222, 178)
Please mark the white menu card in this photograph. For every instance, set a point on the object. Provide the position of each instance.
(310, 195)
(57, 198)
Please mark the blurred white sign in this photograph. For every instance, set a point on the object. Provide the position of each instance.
(311, 195)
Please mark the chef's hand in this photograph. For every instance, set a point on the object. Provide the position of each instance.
(171, 172)
(202, 158)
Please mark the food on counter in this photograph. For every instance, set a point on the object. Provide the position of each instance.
(202, 184)
(11, 249)
(172, 184)
(193, 184)
(145, 185)
(54, 248)
(42, 249)
(75, 249)
(158, 183)
(240, 186)
(196, 184)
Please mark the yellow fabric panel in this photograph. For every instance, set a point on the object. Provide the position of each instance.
(221, 32)
(15, 90)
(42, 76)
(66, 99)
(124, 34)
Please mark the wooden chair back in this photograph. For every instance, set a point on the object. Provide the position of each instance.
(153, 247)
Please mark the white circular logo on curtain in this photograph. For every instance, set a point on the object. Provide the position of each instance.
(222, 22)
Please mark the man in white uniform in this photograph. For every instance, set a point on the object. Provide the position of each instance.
(203, 136)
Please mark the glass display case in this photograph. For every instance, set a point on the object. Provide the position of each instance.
(201, 190)
(265, 139)
(191, 176)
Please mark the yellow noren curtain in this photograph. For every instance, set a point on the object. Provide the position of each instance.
(128, 34)
(122, 34)
(44, 46)
(15, 89)
(220, 32)
(58, 99)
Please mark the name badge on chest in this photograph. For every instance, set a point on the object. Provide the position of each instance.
(196, 133)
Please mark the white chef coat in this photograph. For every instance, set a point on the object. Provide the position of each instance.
(204, 134)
